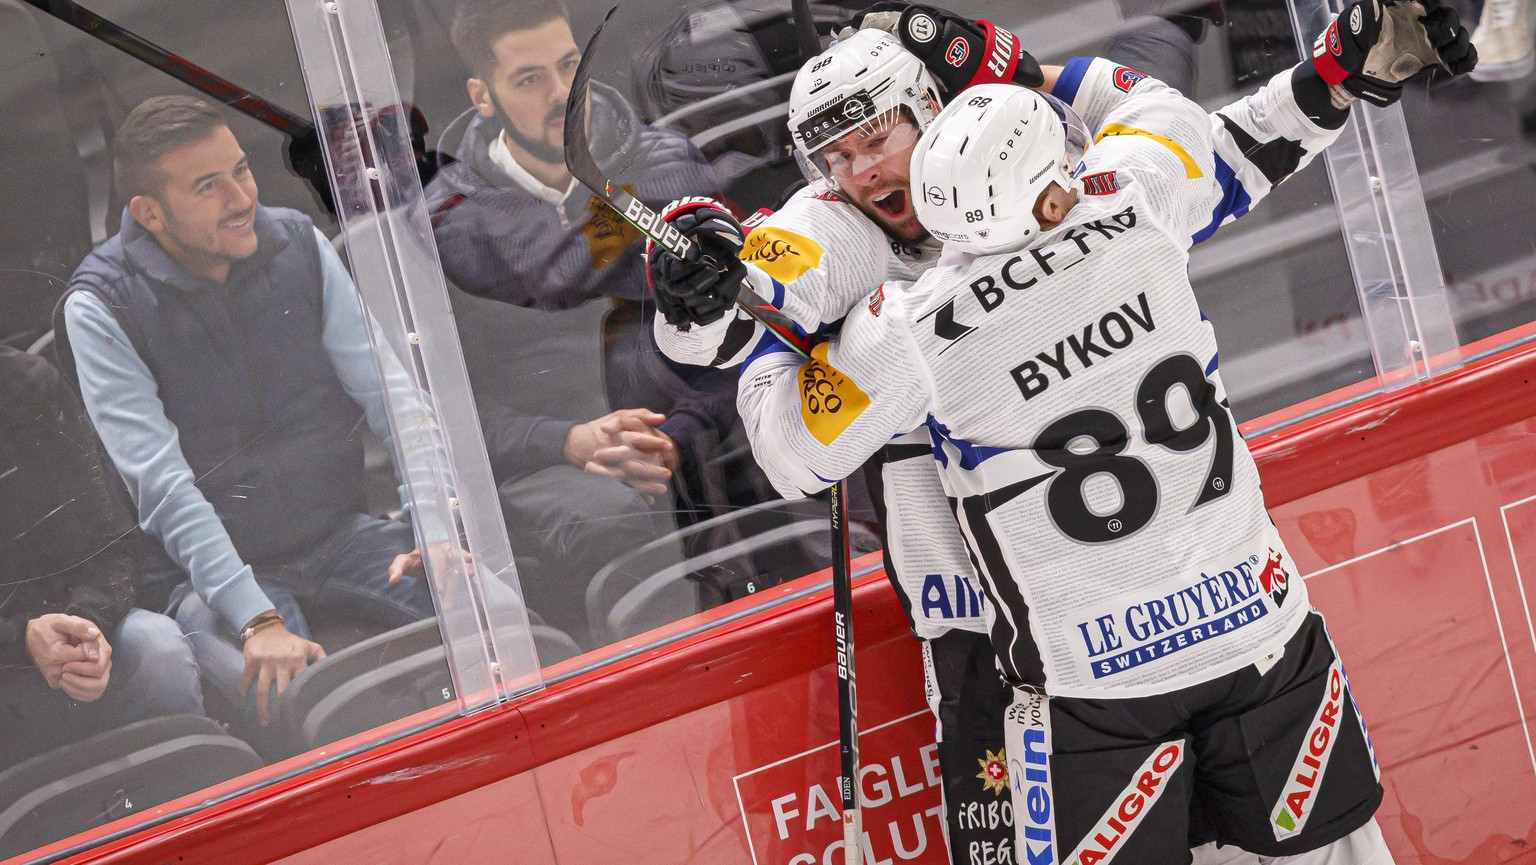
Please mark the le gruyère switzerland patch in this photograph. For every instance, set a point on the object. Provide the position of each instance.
(608, 235)
(829, 400)
(783, 255)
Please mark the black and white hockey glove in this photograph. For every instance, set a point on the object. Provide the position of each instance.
(699, 291)
(1371, 48)
(957, 51)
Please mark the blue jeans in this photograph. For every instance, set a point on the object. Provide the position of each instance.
(153, 674)
(345, 578)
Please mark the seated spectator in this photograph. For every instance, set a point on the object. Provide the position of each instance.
(596, 439)
(222, 352)
(76, 657)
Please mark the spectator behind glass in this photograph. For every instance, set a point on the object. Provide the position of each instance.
(222, 353)
(575, 399)
(76, 658)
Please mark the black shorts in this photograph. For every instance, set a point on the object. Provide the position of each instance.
(1277, 763)
(973, 699)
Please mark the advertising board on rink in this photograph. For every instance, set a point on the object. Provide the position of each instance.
(790, 807)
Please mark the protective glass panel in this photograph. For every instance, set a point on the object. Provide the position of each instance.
(1472, 139)
(216, 415)
(625, 480)
(1277, 282)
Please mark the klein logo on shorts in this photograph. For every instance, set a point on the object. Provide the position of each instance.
(783, 255)
(957, 51)
(829, 400)
(877, 301)
(1125, 78)
(1102, 183)
(1290, 814)
(1103, 841)
(1027, 731)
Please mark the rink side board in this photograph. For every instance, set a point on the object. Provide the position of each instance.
(1412, 513)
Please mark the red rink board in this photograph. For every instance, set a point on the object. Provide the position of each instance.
(1413, 515)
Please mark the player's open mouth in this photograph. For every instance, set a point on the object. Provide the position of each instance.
(893, 203)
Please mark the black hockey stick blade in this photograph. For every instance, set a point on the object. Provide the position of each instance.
(583, 166)
(847, 683)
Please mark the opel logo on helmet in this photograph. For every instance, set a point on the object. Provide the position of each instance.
(853, 108)
(935, 195)
(922, 28)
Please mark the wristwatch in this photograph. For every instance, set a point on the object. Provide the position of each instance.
(261, 621)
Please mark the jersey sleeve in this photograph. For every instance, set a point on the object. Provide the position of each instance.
(814, 421)
(1262, 139)
(1156, 146)
(814, 259)
(1094, 86)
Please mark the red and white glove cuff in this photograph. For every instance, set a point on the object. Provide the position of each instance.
(1002, 55)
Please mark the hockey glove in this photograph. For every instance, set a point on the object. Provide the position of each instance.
(957, 51)
(699, 291)
(1370, 49)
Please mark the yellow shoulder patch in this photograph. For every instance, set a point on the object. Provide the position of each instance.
(1191, 168)
(783, 255)
(829, 400)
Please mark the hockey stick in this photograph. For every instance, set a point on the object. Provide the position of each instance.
(583, 166)
(177, 67)
(842, 584)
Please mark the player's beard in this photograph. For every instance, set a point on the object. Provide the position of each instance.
(543, 151)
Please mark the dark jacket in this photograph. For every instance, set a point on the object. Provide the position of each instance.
(241, 368)
(564, 355)
(66, 532)
(499, 242)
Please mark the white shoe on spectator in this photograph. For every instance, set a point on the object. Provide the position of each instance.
(1505, 40)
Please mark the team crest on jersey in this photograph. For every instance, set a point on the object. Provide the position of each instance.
(994, 772)
(877, 301)
(1125, 78)
(1274, 578)
(829, 400)
(782, 254)
(1102, 183)
(830, 195)
(957, 51)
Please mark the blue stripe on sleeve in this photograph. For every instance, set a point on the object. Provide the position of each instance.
(1071, 78)
(1235, 200)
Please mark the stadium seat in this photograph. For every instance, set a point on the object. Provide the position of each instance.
(115, 774)
(738, 554)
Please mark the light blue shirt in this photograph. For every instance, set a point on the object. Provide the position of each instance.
(122, 398)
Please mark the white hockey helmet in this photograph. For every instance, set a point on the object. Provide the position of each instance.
(979, 169)
(858, 85)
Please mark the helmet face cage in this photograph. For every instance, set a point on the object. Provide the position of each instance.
(864, 86)
(865, 145)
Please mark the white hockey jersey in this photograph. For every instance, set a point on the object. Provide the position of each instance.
(1072, 393)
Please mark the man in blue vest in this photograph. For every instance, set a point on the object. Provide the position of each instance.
(222, 352)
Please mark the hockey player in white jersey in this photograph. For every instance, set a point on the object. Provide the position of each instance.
(1141, 599)
(798, 249)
